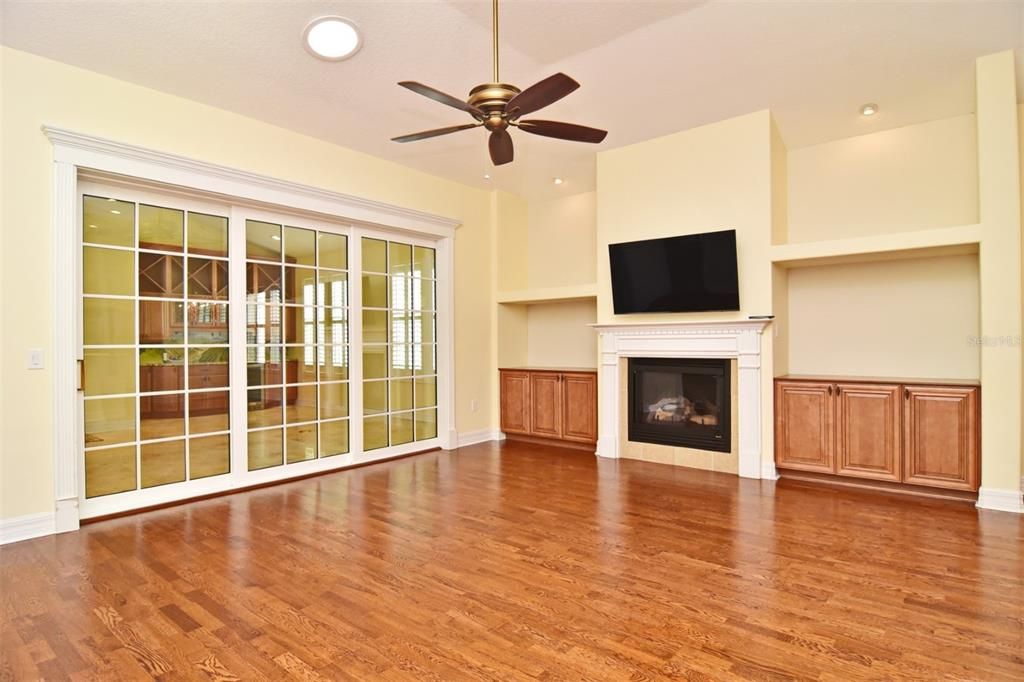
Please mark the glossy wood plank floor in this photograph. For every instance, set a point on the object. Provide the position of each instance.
(524, 562)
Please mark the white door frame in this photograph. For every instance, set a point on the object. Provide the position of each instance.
(76, 153)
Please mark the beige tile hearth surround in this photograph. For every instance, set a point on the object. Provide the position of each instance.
(678, 456)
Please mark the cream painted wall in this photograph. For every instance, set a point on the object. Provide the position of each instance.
(714, 177)
(561, 241)
(1020, 165)
(780, 187)
(906, 318)
(999, 185)
(4, 345)
(558, 334)
(779, 328)
(513, 336)
(915, 177)
(542, 245)
(38, 91)
(508, 271)
(510, 218)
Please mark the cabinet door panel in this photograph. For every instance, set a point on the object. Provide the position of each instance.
(868, 431)
(579, 402)
(941, 436)
(515, 402)
(804, 425)
(545, 404)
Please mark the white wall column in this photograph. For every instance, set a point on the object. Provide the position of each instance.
(66, 350)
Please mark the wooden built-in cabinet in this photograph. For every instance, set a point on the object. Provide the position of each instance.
(919, 434)
(868, 430)
(545, 404)
(515, 401)
(579, 407)
(550, 405)
(941, 435)
(805, 436)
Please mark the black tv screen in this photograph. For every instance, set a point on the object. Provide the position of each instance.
(691, 273)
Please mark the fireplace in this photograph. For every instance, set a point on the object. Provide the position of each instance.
(680, 402)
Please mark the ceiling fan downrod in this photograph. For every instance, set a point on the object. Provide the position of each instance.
(494, 36)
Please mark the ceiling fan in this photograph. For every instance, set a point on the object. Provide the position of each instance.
(497, 105)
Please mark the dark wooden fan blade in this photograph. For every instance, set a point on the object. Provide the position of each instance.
(433, 133)
(500, 146)
(540, 95)
(441, 97)
(563, 131)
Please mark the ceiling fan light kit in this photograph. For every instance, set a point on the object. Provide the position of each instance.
(496, 106)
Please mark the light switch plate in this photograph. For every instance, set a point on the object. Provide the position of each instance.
(35, 358)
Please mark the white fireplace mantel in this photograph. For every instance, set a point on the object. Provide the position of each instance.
(740, 339)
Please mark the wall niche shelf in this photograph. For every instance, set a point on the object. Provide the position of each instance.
(579, 292)
(946, 241)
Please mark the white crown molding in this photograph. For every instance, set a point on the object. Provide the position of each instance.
(120, 157)
(27, 527)
(1001, 500)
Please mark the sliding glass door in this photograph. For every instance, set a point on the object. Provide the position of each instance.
(399, 343)
(155, 382)
(220, 345)
(297, 353)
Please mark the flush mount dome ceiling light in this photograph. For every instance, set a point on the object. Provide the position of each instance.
(332, 38)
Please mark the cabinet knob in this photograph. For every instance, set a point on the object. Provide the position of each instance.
(830, 389)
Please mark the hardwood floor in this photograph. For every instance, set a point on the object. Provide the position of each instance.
(519, 562)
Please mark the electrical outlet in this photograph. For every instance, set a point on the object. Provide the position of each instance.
(474, 405)
(35, 358)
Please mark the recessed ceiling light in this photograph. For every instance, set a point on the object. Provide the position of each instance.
(487, 176)
(559, 181)
(869, 110)
(115, 212)
(275, 237)
(93, 226)
(332, 38)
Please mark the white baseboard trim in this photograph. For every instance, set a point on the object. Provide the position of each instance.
(66, 516)
(1001, 500)
(481, 436)
(27, 527)
(606, 448)
(769, 472)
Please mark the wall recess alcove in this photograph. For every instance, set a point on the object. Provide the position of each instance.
(914, 317)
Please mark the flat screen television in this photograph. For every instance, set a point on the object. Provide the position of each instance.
(695, 272)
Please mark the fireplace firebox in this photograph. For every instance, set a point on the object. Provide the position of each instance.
(680, 402)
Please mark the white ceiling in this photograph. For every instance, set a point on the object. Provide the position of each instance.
(647, 68)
